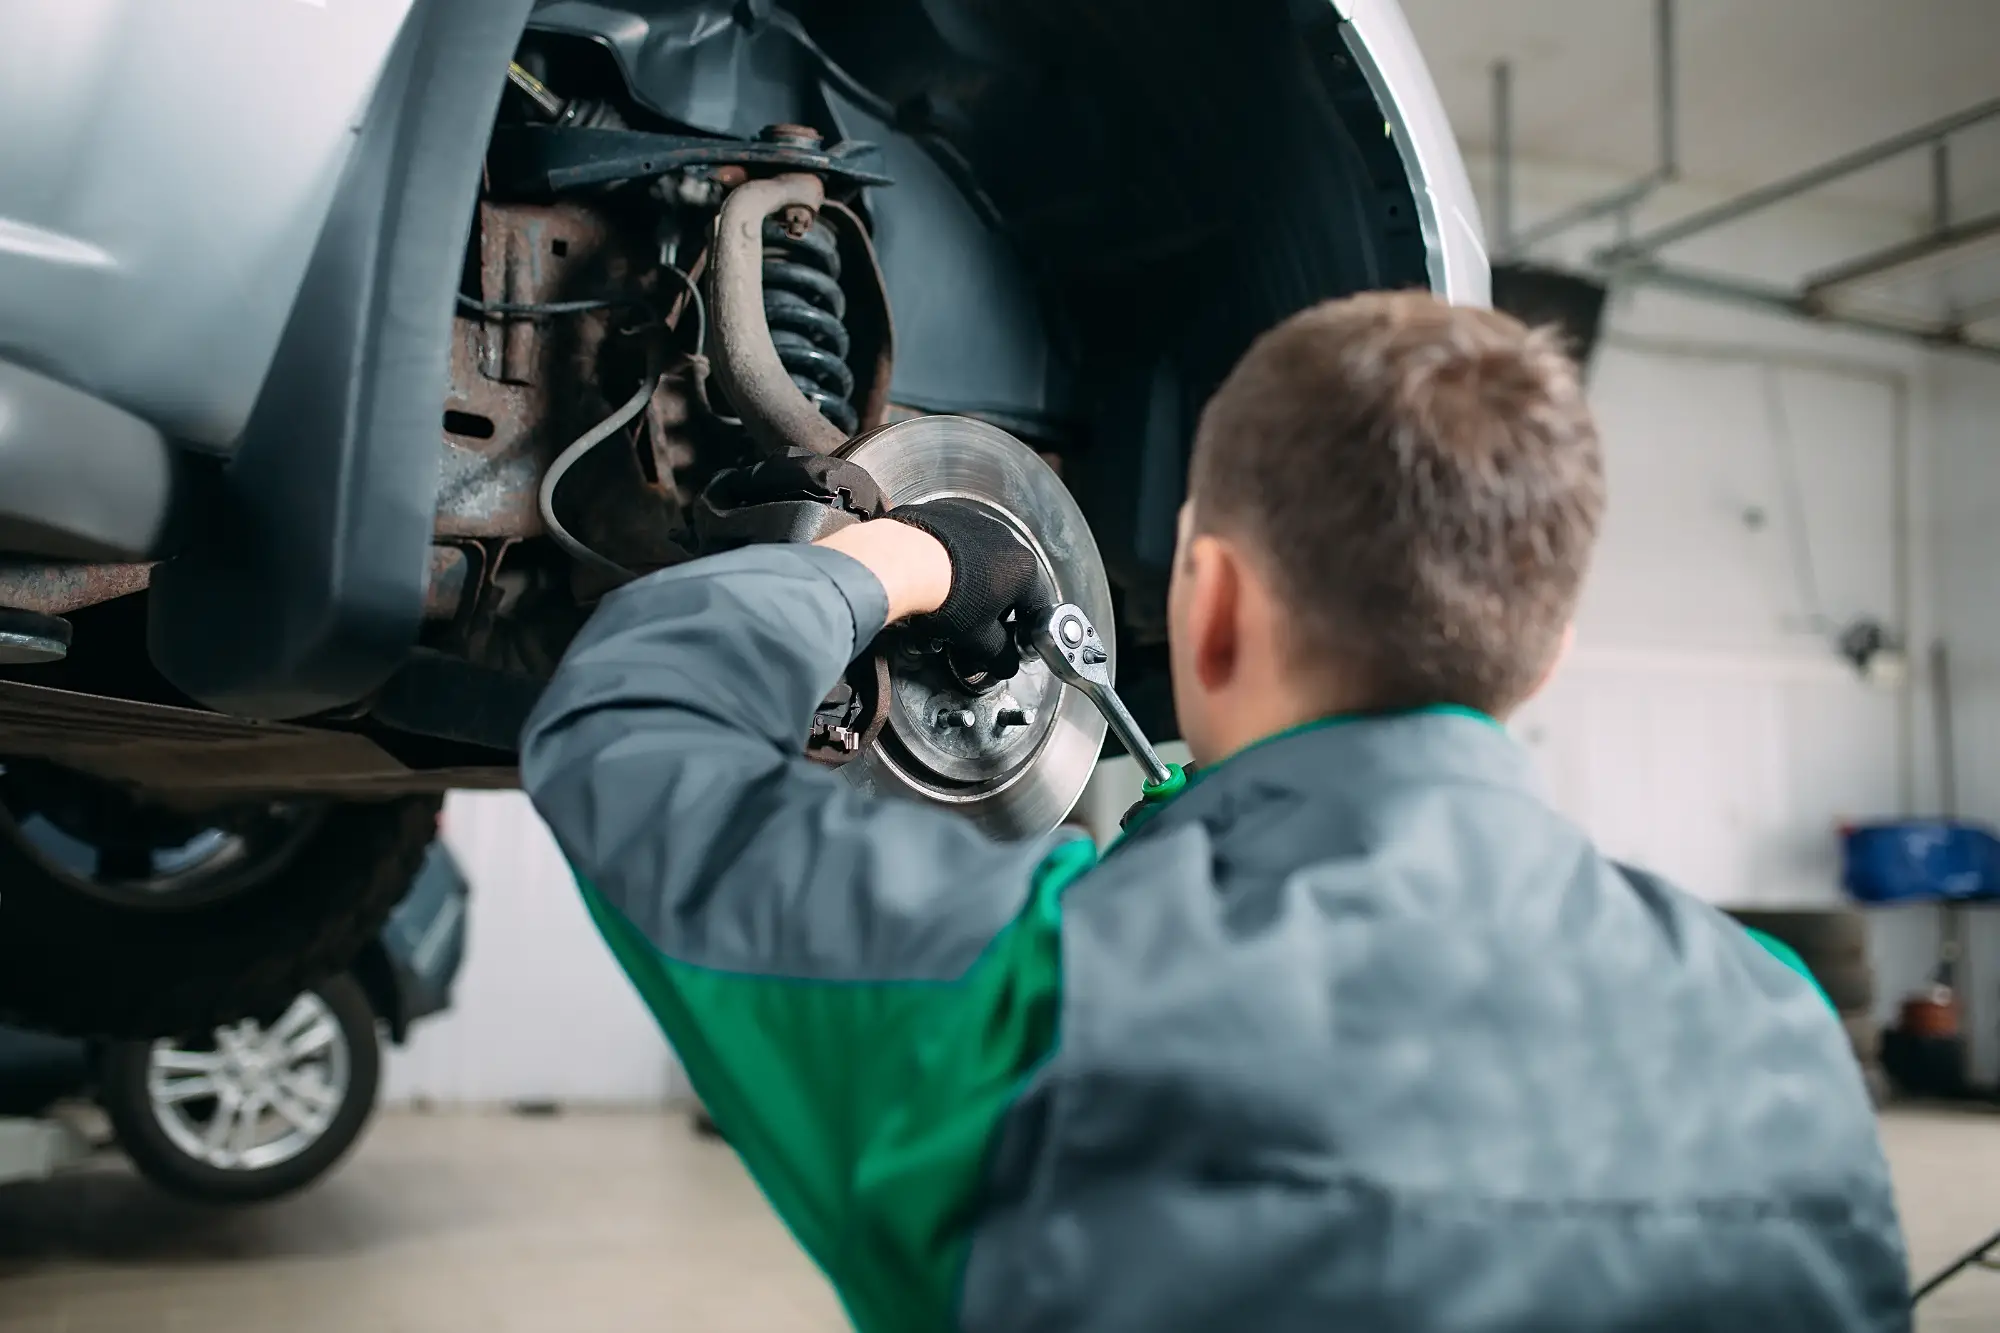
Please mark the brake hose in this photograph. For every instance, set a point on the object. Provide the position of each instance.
(584, 443)
(546, 497)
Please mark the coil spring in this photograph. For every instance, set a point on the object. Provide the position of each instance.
(804, 306)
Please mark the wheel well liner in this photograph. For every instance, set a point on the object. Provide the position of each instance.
(307, 589)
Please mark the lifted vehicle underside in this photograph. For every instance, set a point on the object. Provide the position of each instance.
(705, 230)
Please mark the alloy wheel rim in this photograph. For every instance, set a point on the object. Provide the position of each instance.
(255, 1097)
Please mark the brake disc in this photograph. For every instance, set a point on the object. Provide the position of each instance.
(1013, 755)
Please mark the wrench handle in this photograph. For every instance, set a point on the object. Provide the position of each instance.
(1068, 642)
(1127, 731)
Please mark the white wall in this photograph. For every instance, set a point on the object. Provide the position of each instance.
(541, 1010)
(1965, 542)
(1705, 727)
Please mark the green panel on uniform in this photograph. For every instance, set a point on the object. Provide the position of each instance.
(864, 1109)
(1789, 956)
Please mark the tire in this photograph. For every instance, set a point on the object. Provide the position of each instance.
(147, 1127)
(80, 963)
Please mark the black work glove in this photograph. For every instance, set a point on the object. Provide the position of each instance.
(795, 497)
(992, 573)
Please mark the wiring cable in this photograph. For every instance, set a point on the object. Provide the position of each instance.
(621, 417)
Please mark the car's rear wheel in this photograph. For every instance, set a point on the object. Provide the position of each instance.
(248, 1111)
(122, 917)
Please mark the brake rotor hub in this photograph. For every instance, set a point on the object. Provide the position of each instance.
(968, 734)
(1012, 755)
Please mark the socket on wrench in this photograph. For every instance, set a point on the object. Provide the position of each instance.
(1066, 640)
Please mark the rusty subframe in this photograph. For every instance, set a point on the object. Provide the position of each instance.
(522, 388)
(503, 414)
(57, 587)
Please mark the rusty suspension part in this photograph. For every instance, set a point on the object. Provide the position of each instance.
(774, 412)
(57, 587)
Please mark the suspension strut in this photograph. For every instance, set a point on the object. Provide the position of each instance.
(805, 308)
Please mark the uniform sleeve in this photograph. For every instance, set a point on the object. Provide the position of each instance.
(857, 987)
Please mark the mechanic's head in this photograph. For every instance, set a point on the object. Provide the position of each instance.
(1392, 503)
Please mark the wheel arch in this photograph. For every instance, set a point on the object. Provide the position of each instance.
(305, 590)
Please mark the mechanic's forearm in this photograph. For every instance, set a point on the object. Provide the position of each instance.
(911, 564)
(749, 642)
(681, 703)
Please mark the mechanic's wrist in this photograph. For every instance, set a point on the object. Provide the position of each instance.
(910, 563)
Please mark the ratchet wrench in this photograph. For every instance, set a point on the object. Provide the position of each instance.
(1066, 640)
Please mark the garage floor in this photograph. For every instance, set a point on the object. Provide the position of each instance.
(497, 1223)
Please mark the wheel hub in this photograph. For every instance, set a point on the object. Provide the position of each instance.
(963, 734)
(1012, 755)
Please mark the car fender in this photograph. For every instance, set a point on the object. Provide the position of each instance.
(1379, 38)
(172, 164)
(304, 589)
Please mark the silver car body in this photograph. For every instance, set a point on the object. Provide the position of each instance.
(1381, 41)
(156, 223)
(165, 175)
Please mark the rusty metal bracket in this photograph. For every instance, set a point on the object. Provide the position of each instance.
(452, 582)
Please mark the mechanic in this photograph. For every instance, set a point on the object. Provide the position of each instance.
(1355, 1032)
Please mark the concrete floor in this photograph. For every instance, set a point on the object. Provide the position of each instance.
(493, 1224)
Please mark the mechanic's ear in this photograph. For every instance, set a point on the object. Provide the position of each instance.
(1215, 606)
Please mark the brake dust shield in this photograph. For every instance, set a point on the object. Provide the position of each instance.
(1013, 756)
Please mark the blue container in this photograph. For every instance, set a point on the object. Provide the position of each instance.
(1920, 860)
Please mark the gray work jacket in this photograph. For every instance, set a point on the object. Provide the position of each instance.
(1355, 1033)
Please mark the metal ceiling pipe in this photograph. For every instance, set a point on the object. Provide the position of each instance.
(1666, 84)
(747, 367)
(1940, 185)
(1503, 159)
(1936, 248)
(1667, 167)
(1978, 313)
(1779, 300)
(1708, 219)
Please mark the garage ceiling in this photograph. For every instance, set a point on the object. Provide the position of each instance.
(1766, 89)
(1767, 86)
